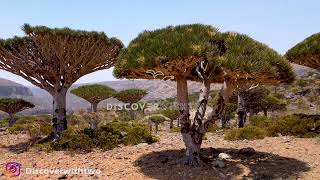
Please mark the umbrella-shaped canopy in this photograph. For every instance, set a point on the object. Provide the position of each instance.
(175, 51)
(307, 52)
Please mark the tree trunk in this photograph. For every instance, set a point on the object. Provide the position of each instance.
(131, 112)
(265, 112)
(93, 120)
(59, 120)
(171, 123)
(241, 111)
(224, 121)
(157, 127)
(178, 122)
(12, 120)
(250, 114)
(192, 149)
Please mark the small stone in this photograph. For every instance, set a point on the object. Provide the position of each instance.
(224, 156)
(123, 134)
(218, 163)
(142, 144)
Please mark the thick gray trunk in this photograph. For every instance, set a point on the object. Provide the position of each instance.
(157, 127)
(94, 107)
(93, 120)
(192, 148)
(59, 120)
(241, 111)
(12, 120)
(131, 112)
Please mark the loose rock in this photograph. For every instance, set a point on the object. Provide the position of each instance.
(218, 163)
(224, 156)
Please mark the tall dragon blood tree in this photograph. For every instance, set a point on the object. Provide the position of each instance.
(200, 53)
(307, 52)
(13, 106)
(131, 96)
(54, 58)
(94, 94)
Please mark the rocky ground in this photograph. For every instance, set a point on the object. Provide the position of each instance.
(270, 158)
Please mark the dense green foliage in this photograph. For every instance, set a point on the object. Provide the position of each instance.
(260, 99)
(303, 51)
(105, 137)
(299, 125)
(42, 30)
(243, 54)
(36, 126)
(13, 105)
(94, 93)
(131, 95)
(248, 132)
(157, 119)
(296, 125)
(246, 55)
(170, 43)
(170, 113)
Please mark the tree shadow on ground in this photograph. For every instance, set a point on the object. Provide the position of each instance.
(18, 148)
(24, 146)
(255, 165)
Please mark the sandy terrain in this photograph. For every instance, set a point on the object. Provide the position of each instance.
(280, 158)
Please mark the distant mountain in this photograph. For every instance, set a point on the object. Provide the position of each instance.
(156, 90)
(12, 89)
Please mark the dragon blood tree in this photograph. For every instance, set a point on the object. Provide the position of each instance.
(306, 53)
(94, 94)
(199, 53)
(131, 96)
(12, 106)
(53, 59)
(249, 64)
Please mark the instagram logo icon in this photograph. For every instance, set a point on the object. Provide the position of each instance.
(12, 169)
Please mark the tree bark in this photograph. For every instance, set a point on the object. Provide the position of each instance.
(12, 120)
(131, 112)
(192, 149)
(59, 120)
(157, 127)
(171, 123)
(93, 120)
(265, 112)
(224, 120)
(250, 113)
(224, 95)
(241, 111)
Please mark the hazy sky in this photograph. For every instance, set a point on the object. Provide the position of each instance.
(278, 23)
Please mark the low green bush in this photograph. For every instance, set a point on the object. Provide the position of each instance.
(296, 125)
(248, 132)
(175, 129)
(34, 129)
(16, 128)
(213, 128)
(105, 137)
(261, 121)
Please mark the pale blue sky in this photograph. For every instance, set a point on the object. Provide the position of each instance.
(278, 23)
